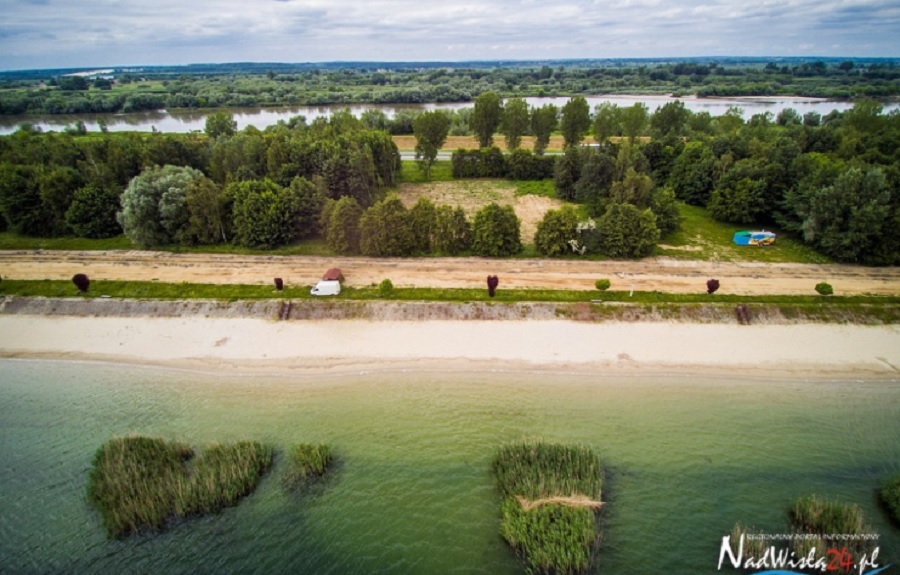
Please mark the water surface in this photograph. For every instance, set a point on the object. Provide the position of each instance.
(687, 457)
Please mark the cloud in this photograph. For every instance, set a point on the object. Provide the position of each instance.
(123, 32)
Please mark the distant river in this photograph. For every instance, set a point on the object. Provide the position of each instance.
(182, 121)
(687, 456)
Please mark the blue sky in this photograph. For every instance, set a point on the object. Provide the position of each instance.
(76, 33)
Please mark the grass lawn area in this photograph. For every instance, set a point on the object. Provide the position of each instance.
(441, 171)
(703, 238)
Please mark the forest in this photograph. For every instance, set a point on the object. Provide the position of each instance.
(258, 85)
(624, 175)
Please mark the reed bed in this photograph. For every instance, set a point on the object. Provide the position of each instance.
(551, 496)
(890, 497)
(308, 461)
(141, 482)
(813, 515)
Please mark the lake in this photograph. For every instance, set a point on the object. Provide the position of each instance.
(687, 456)
(182, 121)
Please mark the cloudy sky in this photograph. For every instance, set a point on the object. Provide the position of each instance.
(75, 33)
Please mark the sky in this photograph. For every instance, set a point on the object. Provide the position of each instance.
(103, 33)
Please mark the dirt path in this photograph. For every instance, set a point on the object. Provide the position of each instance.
(661, 274)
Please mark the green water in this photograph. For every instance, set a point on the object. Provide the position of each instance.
(687, 457)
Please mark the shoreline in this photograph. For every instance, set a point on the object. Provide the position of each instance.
(257, 346)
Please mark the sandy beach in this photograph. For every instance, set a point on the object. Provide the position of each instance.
(261, 345)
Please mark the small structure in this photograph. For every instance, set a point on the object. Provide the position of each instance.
(334, 274)
(755, 238)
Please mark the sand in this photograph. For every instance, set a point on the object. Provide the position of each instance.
(259, 345)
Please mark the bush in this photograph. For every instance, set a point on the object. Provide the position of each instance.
(555, 231)
(890, 497)
(627, 231)
(92, 213)
(82, 282)
(496, 232)
(824, 288)
(602, 285)
(492, 283)
(712, 286)
(386, 288)
(279, 284)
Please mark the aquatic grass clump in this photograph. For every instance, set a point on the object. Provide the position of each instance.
(143, 482)
(551, 495)
(890, 496)
(813, 515)
(308, 461)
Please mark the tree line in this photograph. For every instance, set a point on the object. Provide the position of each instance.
(247, 86)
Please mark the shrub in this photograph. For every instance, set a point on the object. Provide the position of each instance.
(712, 286)
(495, 232)
(602, 285)
(279, 284)
(627, 231)
(82, 282)
(308, 461)
(824, 288)
(386, 288)
(818, 516)
(890, 496)
(555, 231)
(492, 283)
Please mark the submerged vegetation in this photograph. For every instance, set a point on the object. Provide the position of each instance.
(820, 517)
(141, 482)
(551, 495)
(890, 496)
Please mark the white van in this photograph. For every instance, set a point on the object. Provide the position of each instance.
(327, 287)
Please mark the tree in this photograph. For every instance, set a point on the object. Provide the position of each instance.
(847, 219)
(430, 130)
(740, 194)
(422, 221)
(598, 171)
(452, 231)
(154, 207)
(220, 124)
(567, 172)
(670, 120)
(514, 122)
(265, 214)
(209, 212)
(21, 204)
(576, 120)
(57, 189)
(627, 232)
(635, 189)
(486, 118)
(693, 175)
(555, 231)
(385, 230)
(496, 231)
(92, 213)
(607, 122)
(543, 122)
(342, 232)
(665, 207)
(634, 120)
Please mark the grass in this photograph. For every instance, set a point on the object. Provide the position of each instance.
(441, 171)
(308, 461)
(550, 496)
(141, 482)
(703, 238)
(890, 497)
(543, 188)
(821, 517)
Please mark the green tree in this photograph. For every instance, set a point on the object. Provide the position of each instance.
(555, 231)
(665, 207)
(543, 121)
(567, 172)
(495, 232)
(423, 221)
(486, 118)
(514, 122)
(598, 171)
(576, 120)
(740, 194)
(385, 230)
(265, 214)
(92, 213)
(627, 231)
(693, 175)
(634, 120)
(57, 188)
(847, 219)
(342, 231)
(220, 124)
(209, 210)
(154, 209)
(635, 188)
(607, 122)
(21, 204)
(670, 120)
(430, 130)
(452, 231)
